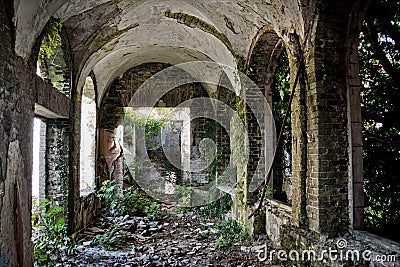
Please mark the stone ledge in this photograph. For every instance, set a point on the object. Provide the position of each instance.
(278, 214)
(49, 102)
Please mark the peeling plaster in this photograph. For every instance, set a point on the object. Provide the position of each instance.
(142, 31)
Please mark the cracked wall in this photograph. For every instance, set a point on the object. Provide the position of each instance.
(16, 118)
(108, 38)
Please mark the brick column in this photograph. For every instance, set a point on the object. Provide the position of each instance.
(57, 158)
(327, 122)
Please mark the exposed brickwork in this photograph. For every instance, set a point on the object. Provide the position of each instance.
(299, 150)
(262, 63)
(57, 157)
(56, 103)
(326, 144)
(327, 158)
(122, 90)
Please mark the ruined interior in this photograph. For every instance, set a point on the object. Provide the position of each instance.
(70, 69)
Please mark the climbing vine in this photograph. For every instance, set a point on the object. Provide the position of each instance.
(61, 168)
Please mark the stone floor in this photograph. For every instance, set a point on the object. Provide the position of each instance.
(182, 240)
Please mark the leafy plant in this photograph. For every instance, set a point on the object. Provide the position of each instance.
(217, 208)
(109, 193)
(280, 98)
(111, 239)
(268, 193)
(130, 201)
(51, 40)
(230, 231)
(153, 210)
(50, 239)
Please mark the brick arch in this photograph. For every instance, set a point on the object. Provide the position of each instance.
(321, 107)
(262, 59)
(261, 63)
(66, 51)
(119, 94)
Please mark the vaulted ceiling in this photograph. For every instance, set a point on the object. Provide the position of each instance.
(110, 37)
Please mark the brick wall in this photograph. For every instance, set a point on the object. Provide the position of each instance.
(327, 158)
(57, 158)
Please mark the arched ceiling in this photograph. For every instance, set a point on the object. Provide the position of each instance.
(110, 37)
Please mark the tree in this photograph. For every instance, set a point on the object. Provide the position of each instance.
(380, 99)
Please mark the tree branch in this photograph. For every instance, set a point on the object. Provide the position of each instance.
(379, 53)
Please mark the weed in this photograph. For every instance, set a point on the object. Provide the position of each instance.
(132, 201)
(216, 208)
(152, 211)
(230, 232)
(111, 239)
(50, 239)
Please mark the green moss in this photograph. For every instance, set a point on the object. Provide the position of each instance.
(194, 22)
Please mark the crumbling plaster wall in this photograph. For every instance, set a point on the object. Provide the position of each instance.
(16, 119)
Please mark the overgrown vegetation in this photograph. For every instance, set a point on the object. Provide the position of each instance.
(112, 239)
(217, 208)
(50, 239)
(51, 40)
(152, 130)
(229, 233)
(51, 57)
(130, 201)
(280, 99)
(379, 54)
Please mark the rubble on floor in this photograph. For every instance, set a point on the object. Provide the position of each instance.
(182, 240)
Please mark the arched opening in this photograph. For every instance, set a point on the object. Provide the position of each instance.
(191, 131)
(282, 170)
(269, 68)
(88, 138)
(52, 61)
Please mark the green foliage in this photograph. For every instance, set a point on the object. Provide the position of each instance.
(113, 238)
(230, 232)
(280, 99)
(109, 194)
(152, 211)
(243, 67)
(50, 239)
(379, 55)
(51, 40)
(152, 127)
(268, 193)
(129, 201)
(216, 208)
(51, 58)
